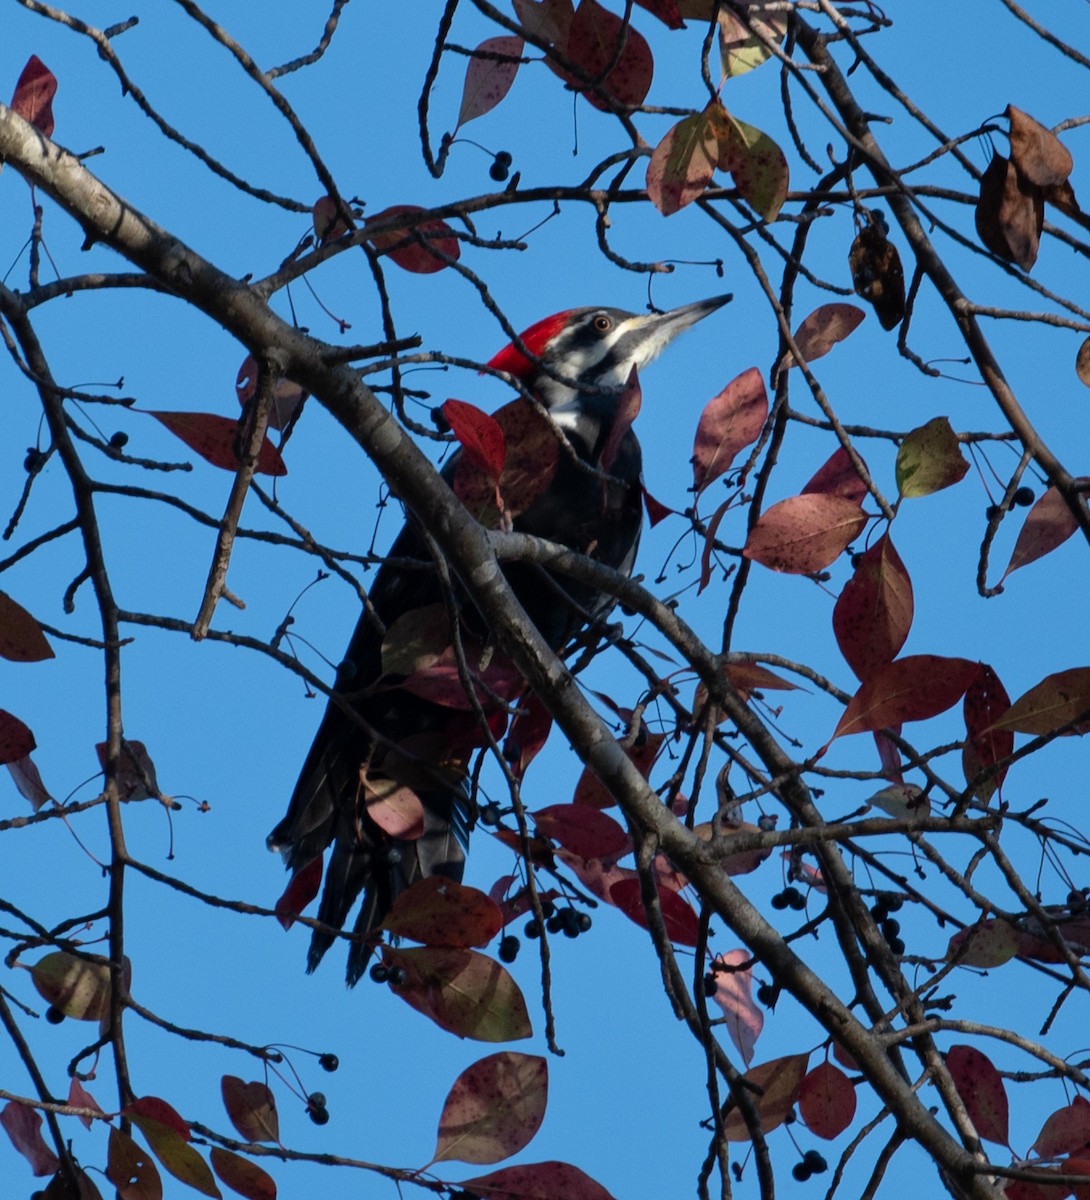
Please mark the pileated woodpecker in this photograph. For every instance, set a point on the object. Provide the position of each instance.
(577, 366)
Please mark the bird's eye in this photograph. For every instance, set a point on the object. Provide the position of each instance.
(602, 323)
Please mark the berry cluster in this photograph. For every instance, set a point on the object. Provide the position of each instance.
(501, 166)
(891, 929)
(394, 976)
(791, 898)
(812, 1164)
(316, 1108)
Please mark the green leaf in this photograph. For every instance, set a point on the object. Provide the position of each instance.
(929, 460)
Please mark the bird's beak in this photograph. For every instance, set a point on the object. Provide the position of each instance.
(645, 335)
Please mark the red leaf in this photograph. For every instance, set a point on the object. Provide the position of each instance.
(489, 79)
(624, 415)
(656, 510)
(585, 831)
(527, 469)
(666, 10)
(537, 1181)
(873, 613)
(827, 1101)
(593, 40)
(214, 439)
(251, 1109)
(480, 436)
(301, 890)
(908, 689)
(1065, 1131)
(709, 543)
(682, 164)
(151, 1108)
(462, 991)
(734, 995)
(642, 753)
(411, 249)
(21, 637)
(286, 395)
(678, 915)
(27, 779)
(1049, 523)
(822, 329)
(33, 96)
(136, 778)
(981, 1089)
(241, 1175)
(730, 422)
(773, 1090)
(80, 1097)
(439, 912)
(804, 534)
(24, 1126)
(16, 740)
(985, 702)
(441, 682)
(493, 1109)
(837, 477)
(527, 734)
(131, 1169)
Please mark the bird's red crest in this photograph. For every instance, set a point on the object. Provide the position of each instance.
(535, 339)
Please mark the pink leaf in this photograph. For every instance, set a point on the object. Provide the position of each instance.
(24, 1126)
(489, 79)
(24, 774)
(837, 476)
(823, 328)
(827, 1101)
(494, 1108)
(1049, 523)
(734, 995)
(1065, 1131)
(730, 422)
(537, 1181)
(804, 534)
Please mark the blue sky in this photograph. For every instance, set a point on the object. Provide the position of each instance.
(230, 729)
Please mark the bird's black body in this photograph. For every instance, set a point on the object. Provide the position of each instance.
(398, 734)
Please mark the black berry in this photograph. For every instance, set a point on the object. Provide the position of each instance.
(328, 1062)
(509, 948)
(794, 898)
(504, 157)
(54, 1015)
(318, 1113)
(801, 1172)
(583, 922)
(317, 1099)
(1023, 497)
(533, 929)
(439, 420)
(896, 946)
(380, 972)
(119, 440)
(991, 512)
(397, 976)
(779, 901)
(815, 1161)
(490, 813)
(498, 171)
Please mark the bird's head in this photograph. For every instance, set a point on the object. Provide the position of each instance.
(584, 351)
